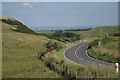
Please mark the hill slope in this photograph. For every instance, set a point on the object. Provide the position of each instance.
(16, 25)
(19, 53)
(96, 32)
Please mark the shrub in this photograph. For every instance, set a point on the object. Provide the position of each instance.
(52, 46)
(116, 34)
(106, 40)
(94, 43)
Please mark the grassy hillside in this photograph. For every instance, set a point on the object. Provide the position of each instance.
(20, 53)
(96, 32)
(16, 25)
(108, 51)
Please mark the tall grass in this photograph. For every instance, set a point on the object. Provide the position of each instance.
(82, 71)
(103, 56)
(20, 55)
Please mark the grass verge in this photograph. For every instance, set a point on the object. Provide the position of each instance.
(84, 71)
(104, 57)
(103, 51)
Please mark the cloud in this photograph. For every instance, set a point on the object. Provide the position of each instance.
(29, 5)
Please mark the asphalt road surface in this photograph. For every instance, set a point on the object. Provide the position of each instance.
(78, 54)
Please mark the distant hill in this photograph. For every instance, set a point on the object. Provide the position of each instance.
(96, 32)
(91, 33)
(16, 25)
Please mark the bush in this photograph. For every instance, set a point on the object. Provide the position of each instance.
(52, 46)
(94, 43)
(106, 40)
(116, 34)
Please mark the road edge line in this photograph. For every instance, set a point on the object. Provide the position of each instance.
(97, 59)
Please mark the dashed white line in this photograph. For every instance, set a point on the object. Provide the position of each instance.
(88, 61)
(77, 50)
(77, 55)
(67, 58)
(80, 57)
(95, 59)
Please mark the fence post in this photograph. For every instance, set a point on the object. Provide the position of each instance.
(68, 71)
(76, 74)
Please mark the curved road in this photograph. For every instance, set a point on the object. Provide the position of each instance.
(78, 54)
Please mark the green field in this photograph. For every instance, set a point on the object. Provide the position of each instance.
(20, 54)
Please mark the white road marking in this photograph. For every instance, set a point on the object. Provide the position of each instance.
(77, 50)
(82, 58)
(88, 61)
(67, 58)
(94, 58)
(77, 55)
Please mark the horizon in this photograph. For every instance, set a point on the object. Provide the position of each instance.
(62, 15)
(68, 28)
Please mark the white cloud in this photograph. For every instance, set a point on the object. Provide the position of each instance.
(27, 5)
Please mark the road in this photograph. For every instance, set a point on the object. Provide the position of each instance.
(78, 55)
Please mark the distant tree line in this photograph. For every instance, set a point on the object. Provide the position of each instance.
(79, 29)
(63, 36)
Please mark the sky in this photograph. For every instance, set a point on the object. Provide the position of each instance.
(62, 15)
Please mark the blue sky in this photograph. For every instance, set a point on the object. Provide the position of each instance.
(62, 14)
